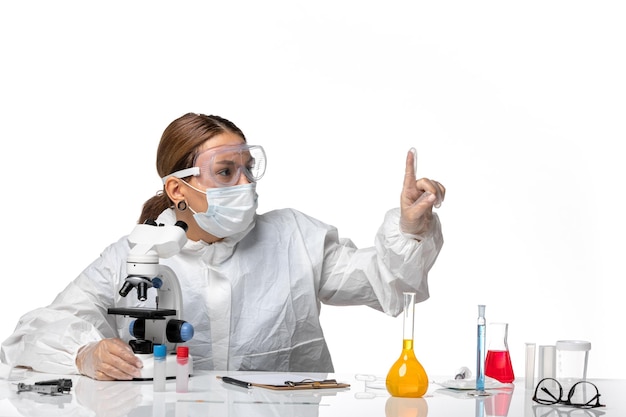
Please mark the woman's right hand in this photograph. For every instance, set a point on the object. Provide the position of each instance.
(108, 360)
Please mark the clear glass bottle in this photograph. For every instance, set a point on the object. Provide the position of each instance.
(498, 362)
(407, 377)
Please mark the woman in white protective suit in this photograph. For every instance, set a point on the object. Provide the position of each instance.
(252, 283)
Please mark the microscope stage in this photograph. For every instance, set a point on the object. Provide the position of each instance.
(142, 313)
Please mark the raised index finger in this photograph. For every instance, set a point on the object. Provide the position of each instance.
(411, 167)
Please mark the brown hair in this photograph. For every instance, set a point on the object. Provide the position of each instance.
(177, 149)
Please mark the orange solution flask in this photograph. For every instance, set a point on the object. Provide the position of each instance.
(498, 362)
(407, 377)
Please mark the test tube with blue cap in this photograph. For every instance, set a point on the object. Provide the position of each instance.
(160, 352)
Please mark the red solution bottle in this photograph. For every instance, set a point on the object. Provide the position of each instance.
(498, 361)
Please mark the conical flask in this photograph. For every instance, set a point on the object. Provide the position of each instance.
(407, 377)
(498, 362)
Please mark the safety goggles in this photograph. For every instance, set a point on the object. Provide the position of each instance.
(223, 166)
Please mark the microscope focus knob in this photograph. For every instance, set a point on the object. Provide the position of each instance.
(137, 328)
(178, 331)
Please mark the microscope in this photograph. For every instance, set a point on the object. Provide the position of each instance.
(162, 325)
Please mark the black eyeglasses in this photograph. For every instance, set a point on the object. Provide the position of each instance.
(583, 394)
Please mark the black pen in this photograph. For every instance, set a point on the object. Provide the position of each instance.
(237, 382)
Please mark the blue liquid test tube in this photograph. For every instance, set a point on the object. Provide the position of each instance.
(480, 351)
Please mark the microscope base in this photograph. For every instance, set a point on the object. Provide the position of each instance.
(147, 372)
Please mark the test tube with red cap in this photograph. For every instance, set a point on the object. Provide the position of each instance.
(182, 369)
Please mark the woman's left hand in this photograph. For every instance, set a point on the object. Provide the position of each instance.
(417, 199)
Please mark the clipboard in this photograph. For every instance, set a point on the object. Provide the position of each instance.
(288, 384)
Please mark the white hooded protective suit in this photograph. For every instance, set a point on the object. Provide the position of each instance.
(253, 299)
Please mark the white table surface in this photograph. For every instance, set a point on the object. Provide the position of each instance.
(208, 396)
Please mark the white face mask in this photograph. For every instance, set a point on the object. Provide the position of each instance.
(230, 210)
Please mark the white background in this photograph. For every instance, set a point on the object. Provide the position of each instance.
(517, 107)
